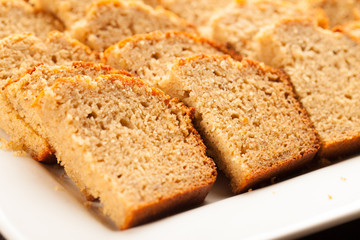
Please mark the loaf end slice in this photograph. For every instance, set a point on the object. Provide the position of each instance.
(127, 144)
(247, 114)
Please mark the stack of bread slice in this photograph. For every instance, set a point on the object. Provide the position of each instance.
(135, 148)
(18, 53)
(126, 144)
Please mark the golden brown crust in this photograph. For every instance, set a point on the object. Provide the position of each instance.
(292, 162)
(160, 207)
(157, 36)
(165, 206)
(341, 147)
(348, 28)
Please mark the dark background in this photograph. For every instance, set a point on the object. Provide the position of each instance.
(350, 230)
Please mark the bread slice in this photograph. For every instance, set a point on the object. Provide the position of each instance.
(128, 145)
(350, 28)
(247, 114)
(17, 16)
(71, 11)
(197, 12)
(22, 92)
(109, 21)
(240, 22)
(18, 53)
(324, 67)
(150, 56)
(338, 11)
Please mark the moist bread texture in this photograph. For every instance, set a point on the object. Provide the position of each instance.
(19, 52)
(151, 56)
(324, 67)
(71, 11)
(108, 22)
(247, 115)
(22, 92)
(338, 11)
(17, 16)
(237, 24)
(127, 144)
(197, 12)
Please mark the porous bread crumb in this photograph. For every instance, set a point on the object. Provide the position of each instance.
(17, 16)
(71, 11)
(324, 67)
(138, 154)
(338, 11)
(277, 135)
(108, 22)
(22, 93)
(197, 12)
(237, 24)
(151, 56)
(19, 52)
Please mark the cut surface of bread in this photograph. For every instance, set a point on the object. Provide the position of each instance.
(248, 116)
(240, 22)
(71, 11)
(129, 145)
(108, 22)
(324, 67)
(197, 12)
(17, 16)
(22, 92)
(151, 56)
(338, 11)
(19, 52)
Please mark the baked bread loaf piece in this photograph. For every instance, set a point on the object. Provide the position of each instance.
(22, 92)
(71, 11)
(17, 16)
(197, 12)
(18, 53)
(324, 67)
(150, 56)
(128, 145)
(247, 115)
(240, 22)
(351, 28)
(338, 11)
(109, 21)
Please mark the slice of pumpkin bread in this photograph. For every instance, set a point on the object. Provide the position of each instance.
(324, 67)
(127, 144)
(108, 22)
(22, 92)
(241, 21)
(17, 16)
(151, 56)
(248, 116)
(19, 52)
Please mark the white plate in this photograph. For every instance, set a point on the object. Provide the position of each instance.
(37, 202)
